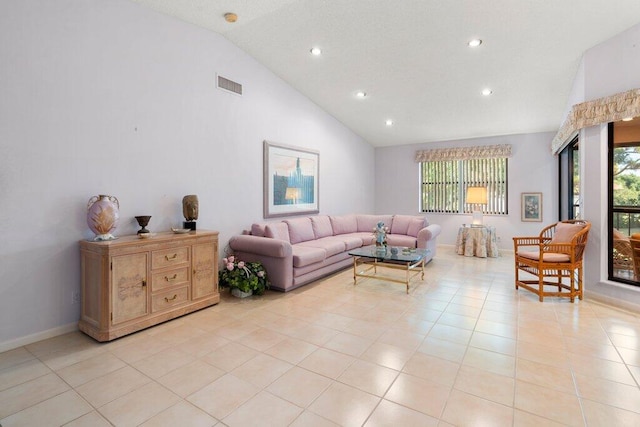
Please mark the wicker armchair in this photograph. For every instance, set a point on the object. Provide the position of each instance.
(635, 255)
(554, 258)
(623, 254)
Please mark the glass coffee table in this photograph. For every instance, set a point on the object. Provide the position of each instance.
(372, 257)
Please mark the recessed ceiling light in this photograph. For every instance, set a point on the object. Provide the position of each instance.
(316, 51)
(627, 119)
(388, 122)
(474, 43)
(487, 92)
(361, 94)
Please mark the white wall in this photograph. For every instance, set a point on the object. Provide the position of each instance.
(108, 97)
(612, 66)
(531, 169)
(609, 68)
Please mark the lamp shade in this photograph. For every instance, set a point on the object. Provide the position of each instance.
(292, 193)
(477, 195)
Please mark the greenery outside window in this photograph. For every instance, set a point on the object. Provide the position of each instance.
(624, 200)
(446, 174)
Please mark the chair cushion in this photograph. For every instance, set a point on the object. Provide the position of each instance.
(321, 226)
(546, 257)
(618, 235)
(300, 230)
(564, 232)
(277, 230)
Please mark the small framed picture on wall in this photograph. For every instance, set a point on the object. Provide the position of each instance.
(531, 207)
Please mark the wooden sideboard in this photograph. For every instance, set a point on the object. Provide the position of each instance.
(130, 283)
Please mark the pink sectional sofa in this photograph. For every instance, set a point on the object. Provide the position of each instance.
(297, 251)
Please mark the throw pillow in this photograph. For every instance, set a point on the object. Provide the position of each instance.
(564, 232)
(277, 230)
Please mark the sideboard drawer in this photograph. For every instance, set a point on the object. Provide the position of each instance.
(169, 257)
(174, 277)
(171, 298)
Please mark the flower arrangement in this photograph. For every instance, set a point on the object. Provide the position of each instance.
(245, 276)
(380, 231)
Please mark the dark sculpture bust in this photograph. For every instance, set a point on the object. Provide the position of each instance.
(190, 207)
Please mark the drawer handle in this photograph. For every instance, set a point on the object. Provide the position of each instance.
(167, 299)
(171, 258)
(144, 283)
(168, 279)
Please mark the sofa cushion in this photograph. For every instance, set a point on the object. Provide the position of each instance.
(300, 230)
(417, 223)
(366, 223)
(331, 245)
(351, 241)
(344, 224)
(401, 240)
(304, 255)
(321, 226)
(258, 229)
(400, 224)
(277, 230)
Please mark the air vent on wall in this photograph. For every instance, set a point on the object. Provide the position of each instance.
(229, 85)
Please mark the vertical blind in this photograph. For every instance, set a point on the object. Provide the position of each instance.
(447, 173)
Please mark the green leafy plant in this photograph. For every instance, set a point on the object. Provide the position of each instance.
(246, 276)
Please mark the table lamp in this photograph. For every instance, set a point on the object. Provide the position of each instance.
(292, 194)
(477, 196)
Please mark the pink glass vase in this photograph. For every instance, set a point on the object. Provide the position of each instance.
(103, 215)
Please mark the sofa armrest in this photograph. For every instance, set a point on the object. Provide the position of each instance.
(275, 255)
(274, 248)
(427, 234)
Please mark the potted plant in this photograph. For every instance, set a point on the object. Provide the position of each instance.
(244, 278)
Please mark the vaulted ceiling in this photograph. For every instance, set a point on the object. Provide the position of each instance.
(412, 60)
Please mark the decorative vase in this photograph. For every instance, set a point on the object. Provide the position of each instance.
(103, 215)
(238, 293)
(143, 221)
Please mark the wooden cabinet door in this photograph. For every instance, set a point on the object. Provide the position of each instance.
(129, 290)
(205, 271)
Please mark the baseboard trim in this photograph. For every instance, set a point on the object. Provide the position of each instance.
(39, 336)
(612, 302)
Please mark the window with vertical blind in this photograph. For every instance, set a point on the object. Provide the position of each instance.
(446, 174)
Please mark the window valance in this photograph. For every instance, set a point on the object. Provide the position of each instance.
(591, 113)
(464, 153)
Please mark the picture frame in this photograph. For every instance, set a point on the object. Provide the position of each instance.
(531, 207)
(291, 180)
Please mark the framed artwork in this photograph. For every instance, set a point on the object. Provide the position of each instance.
(531, 207)
(291, 176)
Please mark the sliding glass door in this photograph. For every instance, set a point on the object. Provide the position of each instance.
(569, 174)
(624, 199)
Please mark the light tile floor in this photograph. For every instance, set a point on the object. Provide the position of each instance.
(463, 348)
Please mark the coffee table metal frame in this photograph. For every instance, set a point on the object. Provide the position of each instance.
(369, 256)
